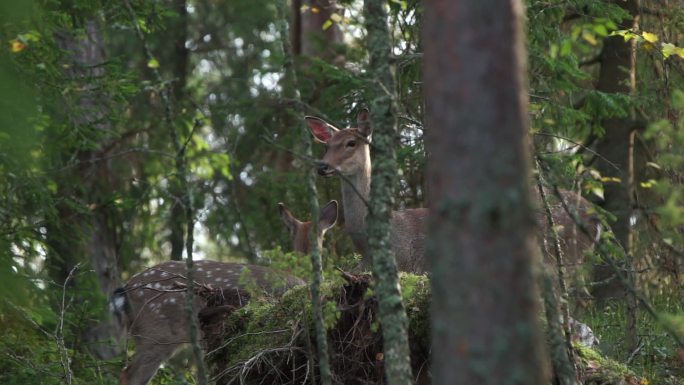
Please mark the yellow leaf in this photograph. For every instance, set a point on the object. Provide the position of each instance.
(16, 46)
(153, 63)
(328, 23)
(315, 10)
(649, 37)
(648, 184)
(589, 38)
(335, 17)
(611, 179)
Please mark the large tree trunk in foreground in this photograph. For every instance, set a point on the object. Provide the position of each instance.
(484, 304)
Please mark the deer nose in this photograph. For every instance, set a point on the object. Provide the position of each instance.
(324, 169)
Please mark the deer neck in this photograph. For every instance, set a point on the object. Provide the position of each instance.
(355, 194)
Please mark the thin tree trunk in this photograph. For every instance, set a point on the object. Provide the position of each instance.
(617, 146)
(177, 218)
(484, 306)
(383, 117)
(291, 91)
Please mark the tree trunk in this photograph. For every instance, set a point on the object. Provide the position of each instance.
(618, 75)
(181, 57)
(91, 237)
(383, 117)
(313, 31)
(484, 302)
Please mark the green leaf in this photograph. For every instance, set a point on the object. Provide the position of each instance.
(328, 23)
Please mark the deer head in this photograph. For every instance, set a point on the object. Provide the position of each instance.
(347, 151)
(300, 230)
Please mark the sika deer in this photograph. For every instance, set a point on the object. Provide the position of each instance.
(300, 230)
(348, 154)
(151, 306)
(153, 311)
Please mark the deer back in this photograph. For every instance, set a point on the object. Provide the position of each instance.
(407, 239)
(152, 306)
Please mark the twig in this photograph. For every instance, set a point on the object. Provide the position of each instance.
(613, 165)
(59, 333)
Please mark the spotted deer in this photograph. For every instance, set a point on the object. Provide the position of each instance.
(348, 154)
(151, 305)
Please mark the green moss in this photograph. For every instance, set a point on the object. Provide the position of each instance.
(601, 370)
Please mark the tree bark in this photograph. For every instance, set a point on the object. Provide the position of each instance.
(181, 58)
(76, 236)
(484, 300)
(308, 35)
(383, 117)
(618, 75)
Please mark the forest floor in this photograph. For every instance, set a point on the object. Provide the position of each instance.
(273, 341)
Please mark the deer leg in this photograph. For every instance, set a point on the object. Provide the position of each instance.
(145, 363)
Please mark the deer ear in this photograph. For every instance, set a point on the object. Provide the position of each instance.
(321, 130)
(328, 216)
(288, 219)
(363, 122)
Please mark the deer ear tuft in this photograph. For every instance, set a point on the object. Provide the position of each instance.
(320, 129)
(288, 219)
(363, 122)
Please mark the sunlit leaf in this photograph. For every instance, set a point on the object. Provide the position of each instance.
(16, 46)
(649, 184)
(649, 37)
(153, 63)
(611, 179)
(328, 23)
(589, 38)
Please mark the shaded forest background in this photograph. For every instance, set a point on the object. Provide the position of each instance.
(125, 124)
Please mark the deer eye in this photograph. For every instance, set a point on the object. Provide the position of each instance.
(351, 143)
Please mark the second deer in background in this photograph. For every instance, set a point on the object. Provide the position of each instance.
(300, 231)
